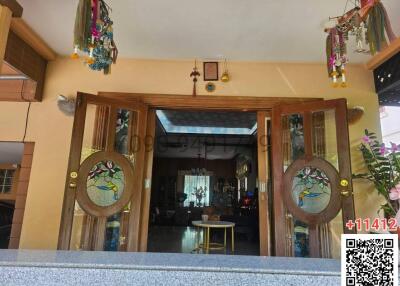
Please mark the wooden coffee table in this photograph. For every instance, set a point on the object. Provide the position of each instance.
(206, 226)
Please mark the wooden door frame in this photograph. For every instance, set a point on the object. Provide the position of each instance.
(263, 179)
(203, 102)
(261, 105)
(148, 170)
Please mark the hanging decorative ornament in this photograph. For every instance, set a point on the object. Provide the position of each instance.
(210, 87)
(93, 35)
(336, 55)
(195, 73)
(367, 22)
(225, 75)
(359, 32)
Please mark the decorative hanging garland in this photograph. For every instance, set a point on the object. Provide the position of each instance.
(93, 35)
(336, 52)
(367, 20)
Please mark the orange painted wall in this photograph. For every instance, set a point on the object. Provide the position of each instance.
(51, 130)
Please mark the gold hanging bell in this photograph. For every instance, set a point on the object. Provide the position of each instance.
(225, 76)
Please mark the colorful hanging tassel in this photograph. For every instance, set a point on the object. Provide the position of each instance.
(378, 23)
(94, 35)
(82, 32)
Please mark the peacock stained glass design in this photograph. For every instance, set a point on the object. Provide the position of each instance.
(105, 183)
(311, 190)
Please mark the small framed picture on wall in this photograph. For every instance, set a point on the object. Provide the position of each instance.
(210, 71)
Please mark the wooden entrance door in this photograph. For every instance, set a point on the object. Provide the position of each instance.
(103, 193)
(312, 189)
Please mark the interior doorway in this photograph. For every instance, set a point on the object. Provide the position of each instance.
(205, 163)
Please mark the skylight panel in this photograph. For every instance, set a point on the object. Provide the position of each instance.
(172, 128)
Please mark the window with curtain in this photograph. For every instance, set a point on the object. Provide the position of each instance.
(191, 183)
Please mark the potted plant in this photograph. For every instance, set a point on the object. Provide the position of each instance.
(383, 164)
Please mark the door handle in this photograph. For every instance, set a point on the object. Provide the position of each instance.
(345, 193)
(72, 182)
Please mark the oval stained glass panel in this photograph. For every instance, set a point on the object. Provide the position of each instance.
(105, 183)
(311, 190)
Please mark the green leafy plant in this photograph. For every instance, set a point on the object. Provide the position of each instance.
(383, 164)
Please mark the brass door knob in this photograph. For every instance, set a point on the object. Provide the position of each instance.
(345, 191)
(72, 182)
(344, 183)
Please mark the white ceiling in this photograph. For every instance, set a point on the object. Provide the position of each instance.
(253, 30)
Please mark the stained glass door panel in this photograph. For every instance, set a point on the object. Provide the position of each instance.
(310, 157)
(105, 176)
(311, 190)
(105, 183)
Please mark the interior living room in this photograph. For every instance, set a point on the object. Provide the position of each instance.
(205, 164)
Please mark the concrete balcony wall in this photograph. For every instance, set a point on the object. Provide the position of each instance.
(111, 268)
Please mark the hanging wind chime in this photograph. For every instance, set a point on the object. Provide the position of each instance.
(367, 22)
(93, 35)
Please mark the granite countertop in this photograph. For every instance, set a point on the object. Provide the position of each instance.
(170, 261)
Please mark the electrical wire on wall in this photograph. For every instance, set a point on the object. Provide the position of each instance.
(27, 111)
(26, 121)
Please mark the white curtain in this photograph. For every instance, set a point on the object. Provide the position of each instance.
(191, 182)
